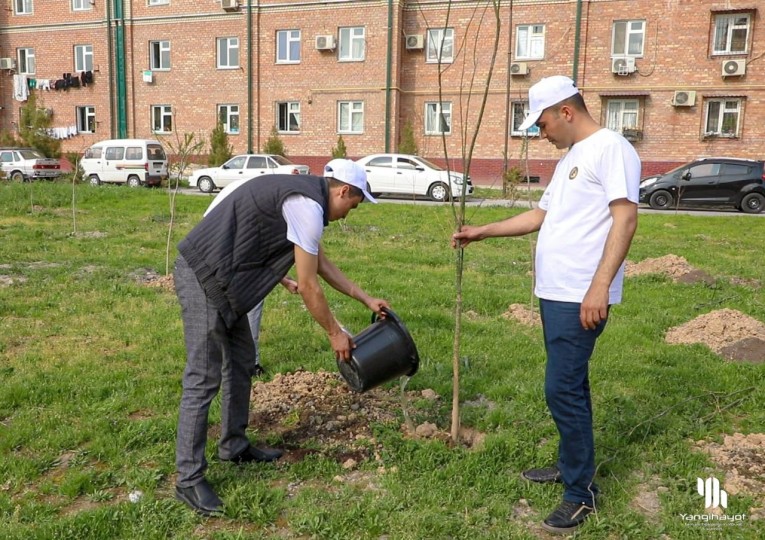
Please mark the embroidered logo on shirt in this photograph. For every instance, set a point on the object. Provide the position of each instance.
(573, 173)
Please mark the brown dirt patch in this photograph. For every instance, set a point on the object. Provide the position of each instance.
(151, 278)
(742, 457)
(317, 413)
(728, 332)
(646, 500)
(523, 315)
(670, 265)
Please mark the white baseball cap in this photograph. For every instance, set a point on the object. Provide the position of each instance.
(349, 172)
(546, 93)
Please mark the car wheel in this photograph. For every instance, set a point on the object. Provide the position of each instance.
(661, 200)
(439, 192)
(133, 181)
(205, 184)
(94, 180)
(752, 203)
(17, 176)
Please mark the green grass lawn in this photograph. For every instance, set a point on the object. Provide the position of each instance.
(91, 363)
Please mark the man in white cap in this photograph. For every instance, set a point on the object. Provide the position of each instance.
(586, 220)
(226, 265)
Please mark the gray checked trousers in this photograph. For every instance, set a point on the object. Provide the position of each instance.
(216, 357)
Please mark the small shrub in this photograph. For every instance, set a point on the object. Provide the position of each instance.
(220, 149)
(407, 145)
(274, 145)
(340, 151)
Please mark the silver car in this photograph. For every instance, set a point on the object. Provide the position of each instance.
(20, 164)
(241, 167)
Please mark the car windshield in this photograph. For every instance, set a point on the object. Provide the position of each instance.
(31, 154)
(430, 165)
(281, 160)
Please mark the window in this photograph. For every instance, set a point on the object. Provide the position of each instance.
(257, 162)
(228, 116)
(628, 38)
(81, 5)
(350, 117)
(228, 53)
(83, 57)
(114, 152)
(86, 119)
(520, 112)
(530, 42)
(288, 47)
(440, 39)
(94, 152)
(622, 114)
(288, 116)
(160, 55)
(731, 33)
(351, 44)
(22, 7)
(158, 2)
(438, 118)
(26, 61)
(722, 117)
(162, 118)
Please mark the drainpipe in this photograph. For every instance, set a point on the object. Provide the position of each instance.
(577, 37)
(388, 76)
(249, 77)
(508, 112)
(119, 17)
(110, 60)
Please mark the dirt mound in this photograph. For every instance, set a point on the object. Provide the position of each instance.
(523, 315)
(670, 265)
(742, 457)
(151, 278)
(727, 332)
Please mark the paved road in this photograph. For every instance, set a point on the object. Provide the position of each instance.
(473, 202)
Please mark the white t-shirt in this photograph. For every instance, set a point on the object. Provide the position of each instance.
(600, 169)
(304, 217)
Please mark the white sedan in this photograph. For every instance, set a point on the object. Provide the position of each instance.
(242, 167)
(412, 175)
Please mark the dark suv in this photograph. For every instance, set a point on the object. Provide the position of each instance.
(715, 181)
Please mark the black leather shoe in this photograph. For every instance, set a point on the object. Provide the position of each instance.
(259, 371)
(546, 475)
(201, 498)
(257, 455)
(567, 517)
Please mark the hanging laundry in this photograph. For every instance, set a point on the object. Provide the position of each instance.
(20, 88)
(32, 84)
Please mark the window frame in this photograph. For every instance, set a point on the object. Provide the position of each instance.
(349, 41)
(29, 55)
(434, 38)
(161, 112)
(83, 53)
(730, 32)
(290, 107)
(28, 7)
(231, 111)
(517, 119)
(531, 39)
(440, 114)
(290, 40)
(81, 5)
(721, 113)
(355, 108)
(623, 111)
(86, 117)
(151, 3)
(627, 33)
(159, 51)
(232, 44)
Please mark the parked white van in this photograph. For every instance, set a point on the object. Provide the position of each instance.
(135, 162)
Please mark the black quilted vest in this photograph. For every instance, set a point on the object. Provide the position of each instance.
(239, 251)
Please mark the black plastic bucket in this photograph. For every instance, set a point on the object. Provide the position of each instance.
(384, 350)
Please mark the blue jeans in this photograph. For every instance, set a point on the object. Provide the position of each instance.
(567, 391)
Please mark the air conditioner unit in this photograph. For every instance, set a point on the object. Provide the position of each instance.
(229, 5)
(684, 98)
(415, 41)
(325, 43)
(519, 68)
(733, 68)
(623, 65)
(7, 63)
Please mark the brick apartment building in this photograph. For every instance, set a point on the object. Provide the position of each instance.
(681, 78)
